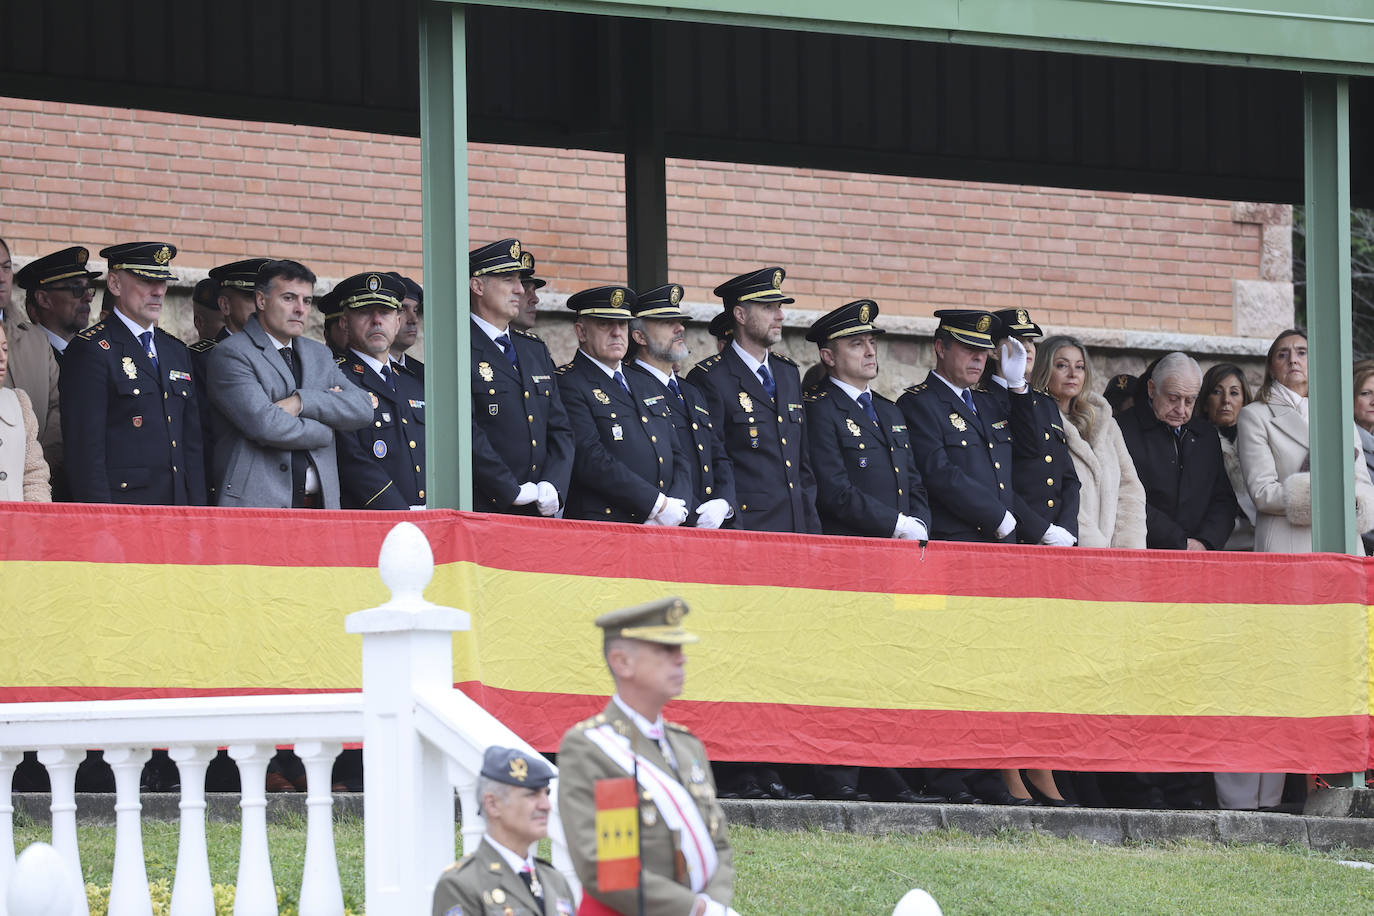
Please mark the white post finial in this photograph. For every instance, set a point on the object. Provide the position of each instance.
(406, 564)
(917, 902)
(42, 884)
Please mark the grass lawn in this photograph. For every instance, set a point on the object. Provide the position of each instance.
(830, 873)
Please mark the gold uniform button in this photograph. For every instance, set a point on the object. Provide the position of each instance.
(861, 445)
(1001, 486)
(1047, 437)
(660, 461)
(124, 486)
(708, 491)
(653, 438)
(899, 491)
(404, 421)
(529, 418)
(612, 416)
(608, 510)
(779, 419)
(412, 443)
(527, 395)
(997, 464)
(1049, 481)
(700, 447)
(1051, 504)
(1049, 458)
(743, 508)
(706, 469)
(379, 423)
(963, 442)
(784, 440)
(169, 418)
(174, 469)
(164, 397)
(694, 426)
(534, 442)
(751, 419)
(422, 494)
(174, 443)
(417, 469)
(788, 463)
(493, 391)
(791, 486)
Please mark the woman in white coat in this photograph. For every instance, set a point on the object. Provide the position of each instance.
(1111, 501)
(1274, 459)
(1274, 455)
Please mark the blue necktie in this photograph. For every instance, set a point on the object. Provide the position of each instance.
(768, 385)
(866, 402)
(968, 400)
(389, 377)
(673, 387)
(620, 380)
(509, 349)
(147, 338)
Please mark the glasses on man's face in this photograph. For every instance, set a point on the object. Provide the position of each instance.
(77, 290)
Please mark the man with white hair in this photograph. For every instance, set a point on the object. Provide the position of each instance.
(1189, 503)
(501, 875)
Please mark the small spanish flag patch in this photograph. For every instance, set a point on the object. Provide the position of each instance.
(617, 834)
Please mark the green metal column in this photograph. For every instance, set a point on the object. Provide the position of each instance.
(1326, 130)
(444, 171)
(646, 177)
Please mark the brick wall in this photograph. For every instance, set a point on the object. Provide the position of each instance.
(343, 201)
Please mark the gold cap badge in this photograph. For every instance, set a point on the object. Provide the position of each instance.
(777, 279)
(81, 256)
(515, 249)
(164, 254)
(519, 769)
(1022, 317)
(675, 296)
(374, 283)
(864, 313)
(617, 298)
(527, 260)
(984, 323)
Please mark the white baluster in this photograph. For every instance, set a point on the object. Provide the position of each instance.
(474, 824)
(255, 894)
(8, 761)
(129, 884)
(61, 764)
(192, 893)
(321, 893)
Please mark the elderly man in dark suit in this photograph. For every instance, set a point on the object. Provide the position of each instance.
(279, 399)
(130, 421)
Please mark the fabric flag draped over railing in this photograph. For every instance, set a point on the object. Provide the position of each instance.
(814, 649)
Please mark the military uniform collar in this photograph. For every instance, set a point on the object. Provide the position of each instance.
(609, 370)
(654, 731)
(850, 389)
(748, 358)
(134, 329)
(663, 377)
(58, 343)
(374, 364)
(958, 392)
(513, 859)
(488, 328)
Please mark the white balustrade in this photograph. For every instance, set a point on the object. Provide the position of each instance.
(422, 739)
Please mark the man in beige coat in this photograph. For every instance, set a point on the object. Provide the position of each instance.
(686, 866)
(32, 365)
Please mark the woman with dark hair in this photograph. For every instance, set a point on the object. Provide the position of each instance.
(1223, 394)
(1364, 423)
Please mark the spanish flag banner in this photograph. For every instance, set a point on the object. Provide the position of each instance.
(814, 649)
(617, 834)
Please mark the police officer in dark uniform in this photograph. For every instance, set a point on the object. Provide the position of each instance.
(1042, 471)
(722, 328)
(58, 294)
(382, 465)
(961, 435)
(235, 297)
(131, 422)
(867, 483)
(335, 334)
(658, 345)
(522, 445)
(412, 309)
(627, 467)
(756, 406)
(529, 305)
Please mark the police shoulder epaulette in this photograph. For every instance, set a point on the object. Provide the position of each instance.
(783, 359)
(340, 360)
(815, 394)
(710, 361)
(678, 728)
(980, 388)
(1043, 391)
(93, 331)
(530, 334)
(917, 388)
(203, 345)
(460, 864)
(563, 368)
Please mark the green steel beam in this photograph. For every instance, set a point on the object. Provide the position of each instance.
(646, 177)
(1324, 36)
(444, 178)
(1326, 134)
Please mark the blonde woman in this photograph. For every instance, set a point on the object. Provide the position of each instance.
(1111, 504)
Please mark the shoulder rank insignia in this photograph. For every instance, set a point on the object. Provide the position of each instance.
(201, 346)
(359, 370)
(745, 401)
(92, 331)
(853, 427)
(563, 369)
(530, 334)
(340, 360)
(709, 361)
(781, 358)
(957, 422)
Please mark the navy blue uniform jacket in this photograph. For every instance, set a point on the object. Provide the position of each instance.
(382, 465)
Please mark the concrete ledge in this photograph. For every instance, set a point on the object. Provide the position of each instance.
(1340, 802)
(1109, 826)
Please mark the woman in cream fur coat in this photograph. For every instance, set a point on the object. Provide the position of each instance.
(1273, 448)
(1111, 502)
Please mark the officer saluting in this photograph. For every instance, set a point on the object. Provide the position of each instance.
(867, 483)
(626, 467)
(131, 423)
(659, 345)
(501, 876)
(382, 465)
(756, 407)
(686, 863)
(522, 445)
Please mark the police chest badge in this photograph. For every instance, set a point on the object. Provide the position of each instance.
(602, 397)
(617, 432)
(746, 402)
(138, 422)
(375, 402)
(957, 422)
(129, 368)
(484, 370)
(853, 427)
(379, 448)
(492, 409)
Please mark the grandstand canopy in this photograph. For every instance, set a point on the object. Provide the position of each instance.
(1265, 100)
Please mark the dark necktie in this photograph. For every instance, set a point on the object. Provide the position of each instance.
(509, 349)
(968, 401)
(620, 380)
(768, 384)
(673, 387)
(389, 376)
(288, 355)
(536, 890)
(147, 339)
(866, 402)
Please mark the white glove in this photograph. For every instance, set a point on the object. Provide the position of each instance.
(1011, 356)
(419, 508)
(712, 513)
(1008, 525)
(1058, 537)
(715, 908)
(548, 498)
(910, 529)
(668, 512)
(528, 494)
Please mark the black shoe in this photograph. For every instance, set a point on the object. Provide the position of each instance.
(779, 791)
(965, 798)
(1006, 798)
(844, 793)
(911, 797)
(1044, 799)
(748, 787)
